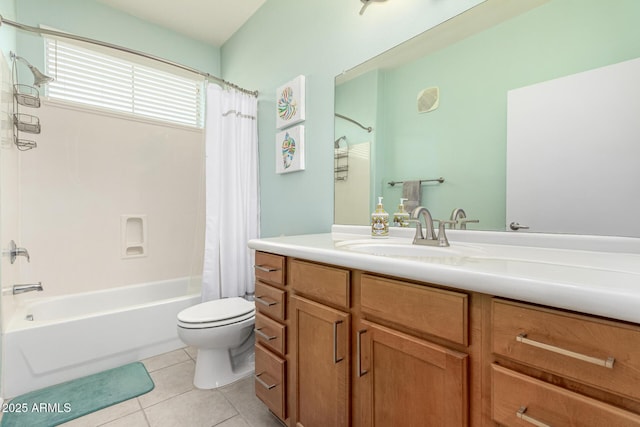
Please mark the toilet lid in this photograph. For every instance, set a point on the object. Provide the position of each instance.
(217, 310)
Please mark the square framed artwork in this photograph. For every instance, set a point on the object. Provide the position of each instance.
(290, 103)
(290, 150)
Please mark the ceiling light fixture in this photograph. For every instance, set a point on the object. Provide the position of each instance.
(367, 3)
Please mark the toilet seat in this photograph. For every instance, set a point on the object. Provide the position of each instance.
(216, 313)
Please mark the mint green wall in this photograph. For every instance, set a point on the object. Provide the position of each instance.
(464, 140)
(286, 38)
(90, 18)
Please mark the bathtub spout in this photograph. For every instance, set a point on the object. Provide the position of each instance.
(20, 289)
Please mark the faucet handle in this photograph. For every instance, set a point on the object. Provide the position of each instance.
(464, 222)
(442, 236)
(419, 234)
(15, 251)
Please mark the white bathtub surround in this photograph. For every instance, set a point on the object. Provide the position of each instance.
(231, 139)
(591, 274)
(79, 182)
(78, 335)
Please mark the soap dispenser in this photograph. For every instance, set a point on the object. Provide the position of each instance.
(401, 218)
(380, 221)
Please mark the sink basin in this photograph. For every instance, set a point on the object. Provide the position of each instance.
(407, 249)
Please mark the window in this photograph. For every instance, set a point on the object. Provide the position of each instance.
(94, 78)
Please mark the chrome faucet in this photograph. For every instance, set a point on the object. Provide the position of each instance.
(15, 251)
(458, 216)
(428, 222)
(430, 238)
(20, 289)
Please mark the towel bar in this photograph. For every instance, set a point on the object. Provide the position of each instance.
(440, 180)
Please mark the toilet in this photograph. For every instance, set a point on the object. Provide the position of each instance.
(222, 331)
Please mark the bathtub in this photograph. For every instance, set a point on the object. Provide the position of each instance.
(56, 339)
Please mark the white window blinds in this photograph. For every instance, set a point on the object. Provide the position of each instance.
(94, 78)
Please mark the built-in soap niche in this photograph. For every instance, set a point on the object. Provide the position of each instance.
(133, 240)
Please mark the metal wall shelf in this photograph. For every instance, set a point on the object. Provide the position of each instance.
(26, 95)
(26, 123)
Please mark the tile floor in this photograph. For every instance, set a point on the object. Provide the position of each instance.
(175, 402)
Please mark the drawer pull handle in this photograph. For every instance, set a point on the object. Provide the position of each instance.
(521, 414)
(263, 335)
(263, 301)
(608, 363)
(335, 342)
(266, 269)
(262, 383)
(359, 351)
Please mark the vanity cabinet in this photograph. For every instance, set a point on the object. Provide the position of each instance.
(575, 355)
(321, 364)
(520, 400)
(409, 379)
(344, 347)
(271, 325)
(400, 375)
(389, 374)
(321, 353)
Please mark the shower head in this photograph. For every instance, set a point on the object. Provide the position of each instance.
(38, 77)
(336, 144)
(367, 3)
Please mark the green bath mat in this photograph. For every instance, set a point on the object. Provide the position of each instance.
(63, 402)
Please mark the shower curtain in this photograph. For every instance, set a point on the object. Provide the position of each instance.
(232, 208)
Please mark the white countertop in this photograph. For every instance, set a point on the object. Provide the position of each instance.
(590, 274)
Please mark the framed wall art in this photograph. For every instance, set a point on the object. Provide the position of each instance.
(290, 150)
(290, 103)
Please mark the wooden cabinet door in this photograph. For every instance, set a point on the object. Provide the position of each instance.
(321, 351)
(407, 381)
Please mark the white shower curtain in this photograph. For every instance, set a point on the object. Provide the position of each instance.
(232, 208)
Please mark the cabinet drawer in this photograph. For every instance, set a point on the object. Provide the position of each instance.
(270, 301)
(270, 268)
(433, 311)
(321, 283)
(601, 353)
(519, 400)
(270, 333)
(270, 381)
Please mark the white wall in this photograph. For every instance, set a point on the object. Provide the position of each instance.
(89, 169)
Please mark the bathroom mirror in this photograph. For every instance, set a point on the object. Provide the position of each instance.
(474, 60)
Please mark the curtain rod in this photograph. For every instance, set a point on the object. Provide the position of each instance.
(349, 119)
(124, 49)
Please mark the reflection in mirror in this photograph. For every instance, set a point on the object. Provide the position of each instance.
(474, 60)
